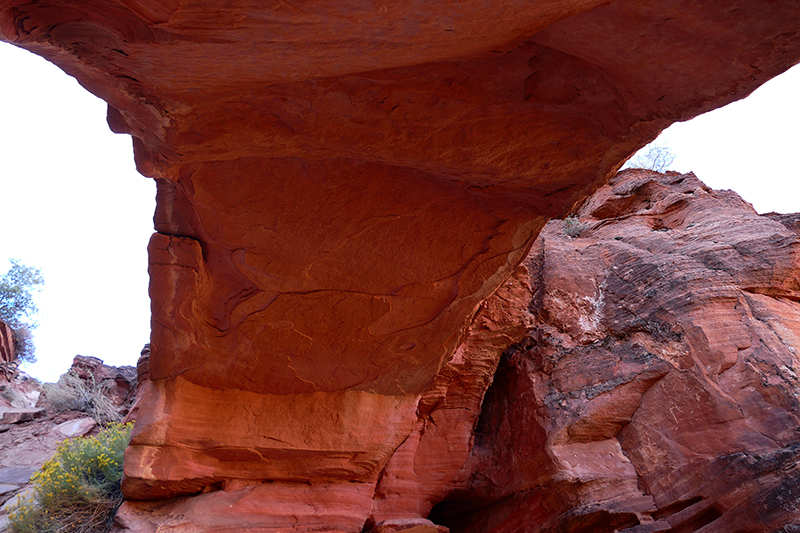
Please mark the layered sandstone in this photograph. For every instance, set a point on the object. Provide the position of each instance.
(341, 185)
(8, 351)
(657, 388)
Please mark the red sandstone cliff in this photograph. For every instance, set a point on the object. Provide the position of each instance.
(341, 186)
(8, 352)
(647, 383)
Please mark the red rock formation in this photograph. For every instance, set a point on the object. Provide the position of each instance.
(656, 389)
(142, 383)
(791, 221)
(8, 353)
(341, 186)
(119, 383)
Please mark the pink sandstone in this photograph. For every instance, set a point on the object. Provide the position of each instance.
(656, 388)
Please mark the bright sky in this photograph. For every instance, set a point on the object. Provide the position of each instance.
(750, 146)
(73, 205)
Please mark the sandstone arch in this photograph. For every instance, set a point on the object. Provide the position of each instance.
(341, 186)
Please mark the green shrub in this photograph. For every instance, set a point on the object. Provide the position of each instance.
(73, 393)
(78, 490)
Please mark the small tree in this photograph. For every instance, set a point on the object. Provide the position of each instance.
(17, 307)
(654, 156)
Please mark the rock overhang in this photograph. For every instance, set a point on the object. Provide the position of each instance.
(418, 84)
(341, 185)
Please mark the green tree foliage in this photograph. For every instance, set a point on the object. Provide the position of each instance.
(17, 307)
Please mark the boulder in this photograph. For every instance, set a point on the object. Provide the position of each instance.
(118, 383)
(14, 415)
(16, 474)
(410, 525)
(76, 428)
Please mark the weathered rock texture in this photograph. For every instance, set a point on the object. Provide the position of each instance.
(142, 383)
(118, 382)
(340, 187)
(8, 352)
(791, 221)
(657, 387)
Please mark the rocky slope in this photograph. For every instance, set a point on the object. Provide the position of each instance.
(656, 388)
(31, 426)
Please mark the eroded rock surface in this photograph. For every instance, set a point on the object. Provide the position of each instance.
(341, 185)
(118, 382)
(656, 389)
(8, 352)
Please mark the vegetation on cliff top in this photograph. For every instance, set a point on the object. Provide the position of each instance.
(654, 156)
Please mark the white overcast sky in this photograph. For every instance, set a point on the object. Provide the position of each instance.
(72, 203)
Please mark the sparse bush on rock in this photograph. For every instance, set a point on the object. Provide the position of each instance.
(573, 227)
(655, 156)
(78, 490)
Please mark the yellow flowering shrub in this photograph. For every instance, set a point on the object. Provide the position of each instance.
(78, 490)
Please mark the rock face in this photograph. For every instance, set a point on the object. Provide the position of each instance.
(656, 389)
(341, 185)
(119, 383)
(8, 353)
(791, 221)
(142, 383)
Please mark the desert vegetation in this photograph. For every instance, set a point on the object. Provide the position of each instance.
(655, 156)
(78, 490)
(573, 227)
(73, 393)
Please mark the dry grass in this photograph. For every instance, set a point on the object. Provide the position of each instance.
(573, 227)
(73, 393)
